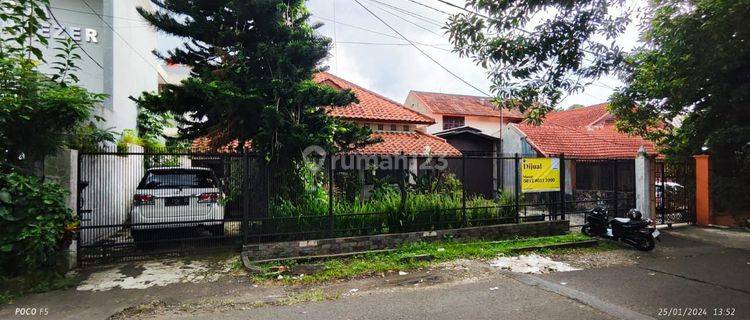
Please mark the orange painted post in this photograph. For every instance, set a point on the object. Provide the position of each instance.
(702, 207)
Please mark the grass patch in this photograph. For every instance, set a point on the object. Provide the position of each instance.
(377, 263)
(308, 296)
(38, 282)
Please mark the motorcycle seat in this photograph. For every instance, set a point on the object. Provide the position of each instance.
(621, 220)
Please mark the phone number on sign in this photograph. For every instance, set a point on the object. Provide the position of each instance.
(696, 312)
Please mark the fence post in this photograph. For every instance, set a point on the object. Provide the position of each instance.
(245, 197)
(463, 189)
(702, 193)
(562, 186)
(615, 198)
(517, 184)
(663, 204)
(644, 184)
(330, 196)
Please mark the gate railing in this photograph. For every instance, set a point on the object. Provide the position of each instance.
(123, 217)
(675, 191)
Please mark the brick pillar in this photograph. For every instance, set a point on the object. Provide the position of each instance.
(702, 199)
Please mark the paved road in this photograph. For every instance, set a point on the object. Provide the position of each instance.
(686, 273)
(511, 300)
(682, 273)
(691, 268)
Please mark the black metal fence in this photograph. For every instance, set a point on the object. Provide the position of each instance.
(675, 191)
(138, 204)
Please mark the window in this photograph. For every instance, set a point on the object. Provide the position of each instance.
(381, 127)
(406, 127)
(394, 127)
(452, 122)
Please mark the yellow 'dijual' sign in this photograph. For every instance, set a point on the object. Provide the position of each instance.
(540, 175)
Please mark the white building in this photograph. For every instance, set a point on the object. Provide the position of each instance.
(119, 42)
(452, 111)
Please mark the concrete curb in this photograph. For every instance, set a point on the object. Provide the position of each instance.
(251, 265)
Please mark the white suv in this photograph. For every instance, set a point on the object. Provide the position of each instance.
(170, 197)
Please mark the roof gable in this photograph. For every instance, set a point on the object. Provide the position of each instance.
(371, 106)
(462, 105)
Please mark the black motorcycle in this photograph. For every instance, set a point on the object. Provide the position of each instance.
(633, 230)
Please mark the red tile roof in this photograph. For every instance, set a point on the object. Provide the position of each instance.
(586, 116)
(587, 133)
(371, 106)
(203, 145)
(592, 142)
(393, 143)
(408, 143)
(462, 105)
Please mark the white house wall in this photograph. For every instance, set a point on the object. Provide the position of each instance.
(133, 67)
(73, 15)
(127, 66)
(513, 142)
(488, 125)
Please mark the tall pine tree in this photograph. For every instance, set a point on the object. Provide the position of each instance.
(252, 66)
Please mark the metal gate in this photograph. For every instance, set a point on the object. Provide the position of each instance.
(137, 204)
(675, 191)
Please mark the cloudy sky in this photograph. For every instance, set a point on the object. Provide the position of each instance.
(370, 54)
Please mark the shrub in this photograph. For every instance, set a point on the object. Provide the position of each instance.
(90, 138)
(434, 203)
(128, 138)
(35, 220)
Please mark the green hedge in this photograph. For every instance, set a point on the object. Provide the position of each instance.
(34, 219)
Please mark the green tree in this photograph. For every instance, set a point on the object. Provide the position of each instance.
(252, 66)
(689, 85)
(536, 51)
(686, 86)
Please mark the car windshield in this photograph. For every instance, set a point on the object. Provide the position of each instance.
(177, 178)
